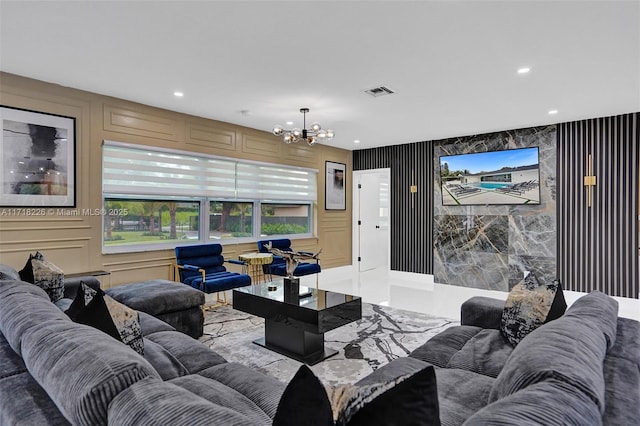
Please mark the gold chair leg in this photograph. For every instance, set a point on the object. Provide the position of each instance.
(219, 302)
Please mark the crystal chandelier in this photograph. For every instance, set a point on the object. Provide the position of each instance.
(311, 136)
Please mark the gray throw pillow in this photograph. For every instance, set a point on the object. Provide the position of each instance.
(528, 306)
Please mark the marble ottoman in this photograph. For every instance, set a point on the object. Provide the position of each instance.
(174, 303)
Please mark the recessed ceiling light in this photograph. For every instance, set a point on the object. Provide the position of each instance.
(178, 94)
(289, 123)
(356, 141)
(524, 70)
(553, 111)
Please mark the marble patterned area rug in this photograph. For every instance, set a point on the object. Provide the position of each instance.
(382, 335)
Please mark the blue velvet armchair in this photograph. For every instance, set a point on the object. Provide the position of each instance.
(202, 267)
(279, 266)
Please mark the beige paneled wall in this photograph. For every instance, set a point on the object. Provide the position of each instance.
(75, 242)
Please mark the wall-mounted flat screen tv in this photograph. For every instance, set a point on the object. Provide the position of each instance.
(510, 176)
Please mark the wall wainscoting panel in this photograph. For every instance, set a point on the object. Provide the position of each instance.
(412, 214)
(160, 125)
(491, 246)
(598, 245)
(210, 137)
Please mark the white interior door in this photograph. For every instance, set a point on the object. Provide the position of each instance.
(372, 199)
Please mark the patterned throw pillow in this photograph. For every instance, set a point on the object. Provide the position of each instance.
(83, 297)
(408, 399)
(45, 275)
(529, 305)
(93, 307)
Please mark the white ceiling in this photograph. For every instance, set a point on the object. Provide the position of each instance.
(452, 63)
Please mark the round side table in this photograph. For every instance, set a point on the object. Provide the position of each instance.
(253, 265)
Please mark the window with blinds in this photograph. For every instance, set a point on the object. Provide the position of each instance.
(128, 169)
(166, 198)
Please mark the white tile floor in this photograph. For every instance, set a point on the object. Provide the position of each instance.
(417, 292)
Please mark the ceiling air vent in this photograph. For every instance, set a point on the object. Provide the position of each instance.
(379, 91)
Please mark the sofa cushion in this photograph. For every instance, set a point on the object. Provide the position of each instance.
(219, 394)
(570, 349)
(150, 324)
(193, 355)
(484, 312)
(64, 304)
(167, 366)
(622, 375)
(461, 394)
(102, 312)
(8, 273)
(547, 403)
(440, 348)
(24, 402)
(406, 399)
(466, 347)
(485, 353)
(24, 306)
(263, 390)
(53, 351)
(601, 311)
(11, 362)
(529, 305)
(398, 367)
(151, 402)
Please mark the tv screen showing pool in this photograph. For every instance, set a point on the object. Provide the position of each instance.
(510, 176)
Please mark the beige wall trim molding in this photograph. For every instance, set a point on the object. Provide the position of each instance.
(141, 266)
(127, 264)
(40, 247)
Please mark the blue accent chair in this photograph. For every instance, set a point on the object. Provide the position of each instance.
(279, 265)
(202, 267)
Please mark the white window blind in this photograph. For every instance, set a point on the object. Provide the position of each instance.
(129, 169)
(273, 182)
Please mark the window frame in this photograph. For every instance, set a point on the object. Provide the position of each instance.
(205, 200)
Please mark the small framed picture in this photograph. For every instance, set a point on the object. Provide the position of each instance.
(335, 181)
(37, 158)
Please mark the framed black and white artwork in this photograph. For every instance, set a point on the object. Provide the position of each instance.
(37, 154)
(335, 181)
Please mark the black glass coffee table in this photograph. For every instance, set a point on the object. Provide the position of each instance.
(295, 327)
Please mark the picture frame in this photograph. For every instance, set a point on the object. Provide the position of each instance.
(38, 158)
(335, 186)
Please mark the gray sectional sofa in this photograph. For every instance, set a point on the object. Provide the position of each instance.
(580, 369)
(57, 372)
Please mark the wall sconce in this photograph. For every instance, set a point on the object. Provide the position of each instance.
(589, 180)
(413, 188)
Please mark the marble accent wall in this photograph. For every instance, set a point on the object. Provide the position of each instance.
(491, 246)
